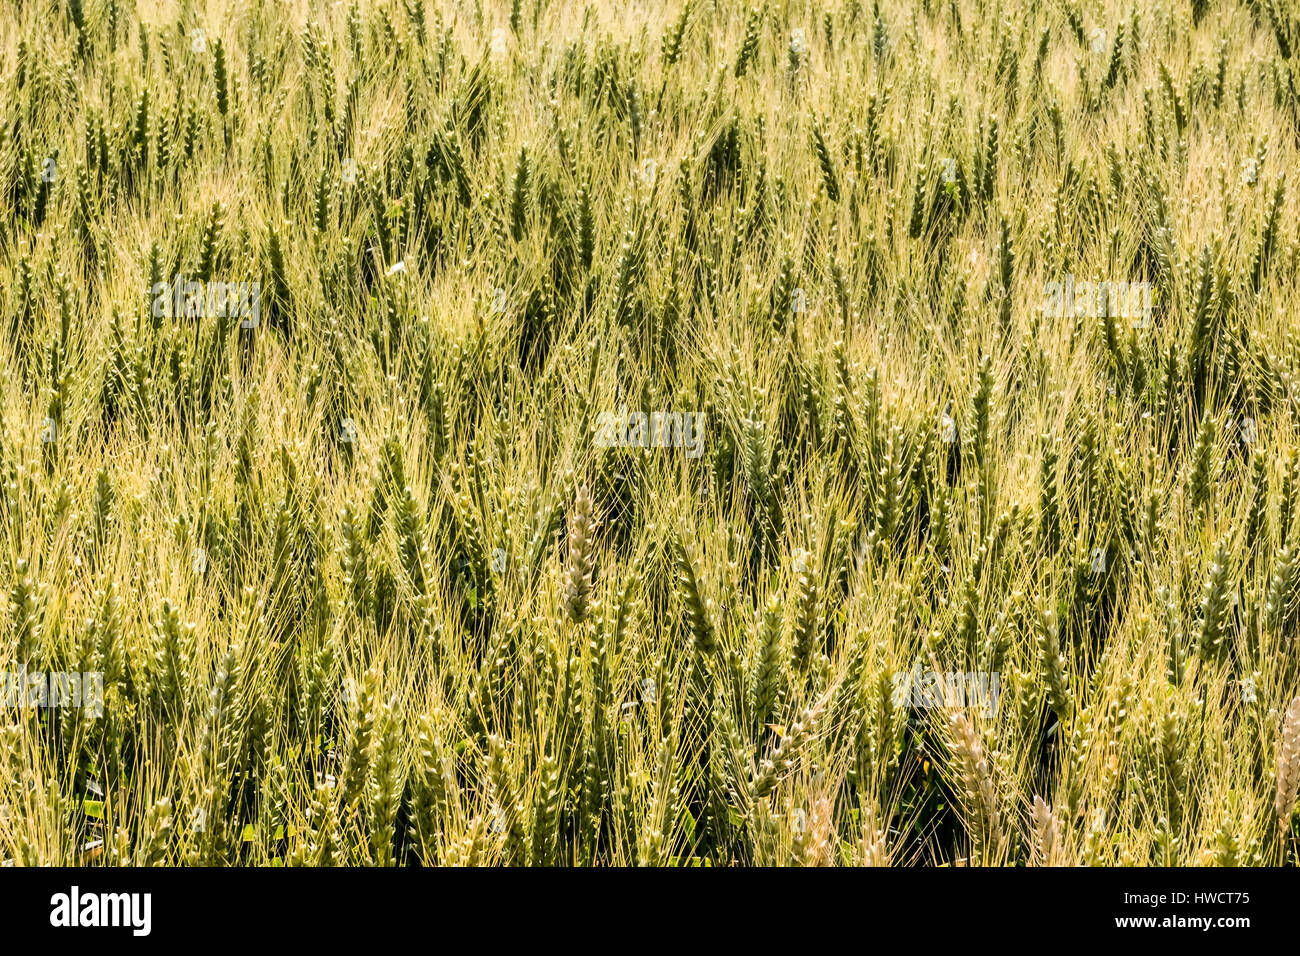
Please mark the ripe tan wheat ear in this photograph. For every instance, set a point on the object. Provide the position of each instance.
(976, 779)
(1288, 765)
(1047, 833)
(577, 590)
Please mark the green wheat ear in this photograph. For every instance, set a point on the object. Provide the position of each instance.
(1052, 664)
(829, 177)
(154, 841)
(699, 624)
(770, 771)
(1214, 604)
(670, 46)
(1199, 478)
(519, 195)
(360, 715)
(384, 787)
(767, 680)
(879, 33)
(749, 45)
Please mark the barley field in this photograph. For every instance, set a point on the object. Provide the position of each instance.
(657, 434)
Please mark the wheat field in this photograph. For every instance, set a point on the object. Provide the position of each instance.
(659, 434)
